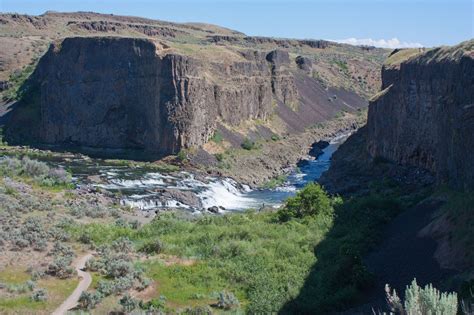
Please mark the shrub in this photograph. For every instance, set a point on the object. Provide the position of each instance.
(248, 144)
(128, 303)
(62, 249)
(34, 168)
(91, 211)
(60, 268)
(20, 288)
(154, 304)
(227, 300)
(182, 155)
(123, 283)
(310, 201)
(275, 137)
(39, 295)
(37, 274)
(152, 247)
(88, 300)
(119, 268)
(106, 287)
(427, 300)
(122, 245)
(37, 170)
(217, 137)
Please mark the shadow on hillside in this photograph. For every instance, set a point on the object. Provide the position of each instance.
(352, 276)
(20, 121)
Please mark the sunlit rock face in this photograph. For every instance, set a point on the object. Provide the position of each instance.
(132, 93)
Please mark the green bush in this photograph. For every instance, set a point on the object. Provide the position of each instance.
(217, 137)
(275, 182)
(248, 144)
(182, 155)
(152, 247)
(310, 201)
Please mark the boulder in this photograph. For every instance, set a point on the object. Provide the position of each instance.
(304, 63)
(186, 197)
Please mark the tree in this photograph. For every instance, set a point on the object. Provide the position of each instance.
(310, 201)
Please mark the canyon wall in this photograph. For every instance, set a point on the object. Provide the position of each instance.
(423, 118)
(132, 93)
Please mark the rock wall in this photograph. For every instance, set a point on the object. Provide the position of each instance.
(425, 115)
(130, 93)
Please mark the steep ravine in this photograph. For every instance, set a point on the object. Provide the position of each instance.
(419, 134)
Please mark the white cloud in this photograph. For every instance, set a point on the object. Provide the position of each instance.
(389, 43)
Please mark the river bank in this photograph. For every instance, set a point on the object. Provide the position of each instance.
(271, 159)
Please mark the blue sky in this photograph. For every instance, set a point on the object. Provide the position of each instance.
(380, 22)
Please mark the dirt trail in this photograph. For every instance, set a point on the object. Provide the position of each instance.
(85, 282)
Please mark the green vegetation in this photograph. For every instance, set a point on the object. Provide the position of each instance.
(339, 275)
(248, 144)
(309, 202)
(250, 254)
(17, 80)
(275, 182)
(305, 256)
(217, 137)
(340, 114)
(341, 64)
(37, 171)
(312, 245)
(275, 137)
(182, 155)
(418, 300)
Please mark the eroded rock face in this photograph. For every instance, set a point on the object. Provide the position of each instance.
(128, 93)
(425, 117)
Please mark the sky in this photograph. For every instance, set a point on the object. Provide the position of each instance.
(383, 23)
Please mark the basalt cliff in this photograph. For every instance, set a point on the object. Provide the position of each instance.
(130, 83)
(420, 124)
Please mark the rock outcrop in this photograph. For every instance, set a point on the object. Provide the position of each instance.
(131, 93)
(424, 117)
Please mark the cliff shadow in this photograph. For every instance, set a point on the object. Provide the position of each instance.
(20, 121)
(373, 241)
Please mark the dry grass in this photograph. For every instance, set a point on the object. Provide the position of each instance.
(403, 55)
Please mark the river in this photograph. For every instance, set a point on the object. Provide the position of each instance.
(151, 191)
(143, 189)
